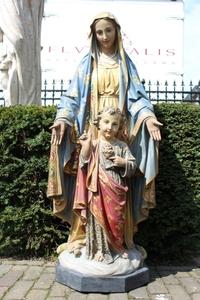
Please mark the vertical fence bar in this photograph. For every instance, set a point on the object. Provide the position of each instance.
(61, 87)
(174, 91)
(45, 92)
(157, 90)
(166, 89)
(183, 90)
(149, 89)
(191, 92)
(53, 91)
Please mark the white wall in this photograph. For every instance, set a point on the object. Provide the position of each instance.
(152, 32)
(192, 41)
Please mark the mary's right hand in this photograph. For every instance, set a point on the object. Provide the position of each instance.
(58, 130)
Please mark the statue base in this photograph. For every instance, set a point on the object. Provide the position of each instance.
(101, 284)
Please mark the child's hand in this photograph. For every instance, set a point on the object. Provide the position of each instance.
(118, 161)
(85, 138)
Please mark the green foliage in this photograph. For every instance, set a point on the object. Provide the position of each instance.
(173, 226)
(27, 226)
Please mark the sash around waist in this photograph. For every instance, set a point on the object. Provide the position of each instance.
(108, 96)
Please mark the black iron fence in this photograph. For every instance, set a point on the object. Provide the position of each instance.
(158, 92)
(175, 92)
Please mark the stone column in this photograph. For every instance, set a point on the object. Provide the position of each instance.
(20, 24)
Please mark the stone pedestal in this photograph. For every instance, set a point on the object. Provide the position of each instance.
(101, 284)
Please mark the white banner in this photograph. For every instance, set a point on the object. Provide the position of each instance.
(152, 33)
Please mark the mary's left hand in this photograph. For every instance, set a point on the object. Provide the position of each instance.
(153, 126)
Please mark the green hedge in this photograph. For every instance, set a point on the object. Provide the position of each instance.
(27, 226)
(172, 229)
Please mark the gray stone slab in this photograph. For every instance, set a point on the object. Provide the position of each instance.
(101, 284)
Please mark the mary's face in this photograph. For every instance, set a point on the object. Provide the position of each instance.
(105, 34)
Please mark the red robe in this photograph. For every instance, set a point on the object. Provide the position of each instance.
(104, 198)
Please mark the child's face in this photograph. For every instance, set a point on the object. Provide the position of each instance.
(109, 125)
